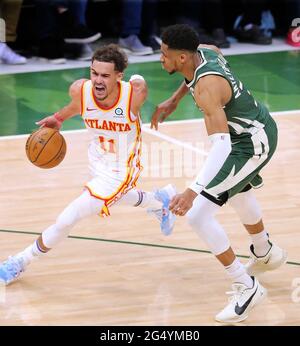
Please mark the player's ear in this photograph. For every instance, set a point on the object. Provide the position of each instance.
(120, 76)
(183, 58)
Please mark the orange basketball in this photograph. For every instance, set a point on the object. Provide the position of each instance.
(46, 147)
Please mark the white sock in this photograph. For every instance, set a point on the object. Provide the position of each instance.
(261, 243)
(149, 201)
(138, 198)
(31, 253)
(237, 272)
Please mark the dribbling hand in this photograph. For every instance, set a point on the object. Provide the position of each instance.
(50, 121)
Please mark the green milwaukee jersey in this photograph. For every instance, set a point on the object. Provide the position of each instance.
(245, 115)
(252, 130)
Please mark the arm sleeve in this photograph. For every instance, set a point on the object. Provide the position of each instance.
(218, 154)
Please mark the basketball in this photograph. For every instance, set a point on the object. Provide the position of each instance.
(46, 147)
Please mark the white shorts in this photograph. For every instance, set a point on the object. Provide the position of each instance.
(112, 179)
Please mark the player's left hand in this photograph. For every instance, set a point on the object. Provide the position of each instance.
(182, 202)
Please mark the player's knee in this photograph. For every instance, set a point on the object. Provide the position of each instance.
(247, 207)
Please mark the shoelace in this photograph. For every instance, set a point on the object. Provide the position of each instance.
(235, 294)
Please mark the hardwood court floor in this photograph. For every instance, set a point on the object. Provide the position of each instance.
(121, 270)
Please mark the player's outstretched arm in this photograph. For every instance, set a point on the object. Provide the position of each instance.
(73, 108)
(164, 109)
(211, 95)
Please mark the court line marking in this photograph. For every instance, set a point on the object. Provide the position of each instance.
(147, 126)
(133, 243)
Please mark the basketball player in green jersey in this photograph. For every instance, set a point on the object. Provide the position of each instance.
(244, 138)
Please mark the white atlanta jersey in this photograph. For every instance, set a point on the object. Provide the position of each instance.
(115, 148)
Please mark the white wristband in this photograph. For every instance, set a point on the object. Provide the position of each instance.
(136, 76)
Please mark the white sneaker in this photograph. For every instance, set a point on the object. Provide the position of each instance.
(242, 300)
(86, 52)
(133, 45)
(8, 56)
(274, 258)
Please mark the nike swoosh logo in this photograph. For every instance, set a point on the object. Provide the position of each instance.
(198, 184)
(239, 310)
(90, 109)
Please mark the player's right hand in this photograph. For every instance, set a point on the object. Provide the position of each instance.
(49, 121)
(162, 111)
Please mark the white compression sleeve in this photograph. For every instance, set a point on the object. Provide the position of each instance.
(201, 218)
(218, 154)
(85, 205)
(247, 207)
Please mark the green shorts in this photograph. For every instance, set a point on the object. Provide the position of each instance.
(241, 169)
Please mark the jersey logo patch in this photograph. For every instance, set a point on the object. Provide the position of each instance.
(119, 113)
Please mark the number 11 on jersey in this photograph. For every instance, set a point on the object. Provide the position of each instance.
(107, 145)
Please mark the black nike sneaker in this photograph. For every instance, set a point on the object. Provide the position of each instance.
(242, 300)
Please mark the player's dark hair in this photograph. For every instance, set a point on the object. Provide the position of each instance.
(181, 37)
(112, 53)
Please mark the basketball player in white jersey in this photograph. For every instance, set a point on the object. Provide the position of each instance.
(110, 109)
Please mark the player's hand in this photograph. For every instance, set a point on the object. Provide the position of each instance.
(162, 111)
(182, 202)
(50, 121)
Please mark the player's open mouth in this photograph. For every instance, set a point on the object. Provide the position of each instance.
(100, 89)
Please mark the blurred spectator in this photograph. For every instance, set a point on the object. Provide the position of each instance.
(131, 28)
(62, 22)
(206, 17)
(73, 22)
(10, 12)
(247, 27)
(149, 29)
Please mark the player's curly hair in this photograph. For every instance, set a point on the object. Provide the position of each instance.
(181, 37)
(112, 53)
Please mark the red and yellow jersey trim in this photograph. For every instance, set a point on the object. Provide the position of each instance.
(82, 107)
(129, 104)
(101, 107)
